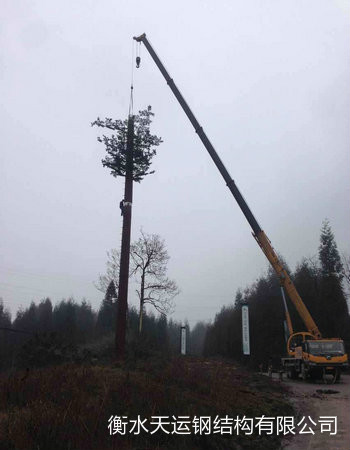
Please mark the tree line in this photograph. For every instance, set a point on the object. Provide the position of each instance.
(56, 329)
(50, 333)
(321, 284)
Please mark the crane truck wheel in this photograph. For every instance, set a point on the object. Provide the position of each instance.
(336, 376)
(331, 378)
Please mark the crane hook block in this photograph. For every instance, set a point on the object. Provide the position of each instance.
(138, 61)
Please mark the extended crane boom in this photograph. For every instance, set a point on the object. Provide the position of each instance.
(258, 233)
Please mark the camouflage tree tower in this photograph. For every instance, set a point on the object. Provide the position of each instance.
(125, 205)
(129, 154)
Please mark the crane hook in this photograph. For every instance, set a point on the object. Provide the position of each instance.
(138, 61)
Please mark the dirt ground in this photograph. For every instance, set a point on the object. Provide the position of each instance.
(309, 402)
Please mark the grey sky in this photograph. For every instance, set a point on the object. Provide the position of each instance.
(268, 81)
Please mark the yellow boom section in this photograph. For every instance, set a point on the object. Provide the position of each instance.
(287, 283)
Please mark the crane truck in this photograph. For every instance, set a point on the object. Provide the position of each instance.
(308, 353)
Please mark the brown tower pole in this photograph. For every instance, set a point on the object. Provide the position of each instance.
(125, 246)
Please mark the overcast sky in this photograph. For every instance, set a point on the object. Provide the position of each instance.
(268, 81)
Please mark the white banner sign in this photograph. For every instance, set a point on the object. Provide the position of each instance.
(183, 340)
(245, 330)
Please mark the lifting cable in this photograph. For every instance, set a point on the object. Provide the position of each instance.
(138, 62)
(138, 54)
(131, 102)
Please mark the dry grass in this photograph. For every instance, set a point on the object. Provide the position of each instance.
(68, 407)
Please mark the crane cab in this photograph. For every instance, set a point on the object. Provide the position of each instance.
(314, 358)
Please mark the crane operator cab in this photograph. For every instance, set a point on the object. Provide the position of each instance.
(314, 358)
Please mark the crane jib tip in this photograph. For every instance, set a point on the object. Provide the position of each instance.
(139, 38)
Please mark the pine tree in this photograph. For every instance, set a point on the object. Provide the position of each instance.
(331, 264)
(85, 321)
(65, 320)
(5, 322)
(107, 312)
(335, 314)
(307, 281)
(27, 320)
(44, 313)
(239, 299)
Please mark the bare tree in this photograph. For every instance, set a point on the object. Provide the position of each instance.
(148, 264)
(149, 259)
(112, 272)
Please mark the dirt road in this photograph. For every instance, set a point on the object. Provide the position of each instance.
(309, 402)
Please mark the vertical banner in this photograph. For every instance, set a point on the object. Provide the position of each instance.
(245, 330)
(183, 340)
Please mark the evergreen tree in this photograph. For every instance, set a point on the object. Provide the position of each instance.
(27, 320)
(5, 317)
(307, 281)
(197, 338)
(331, 265)
(335, 314)
(106, 318)
(266, 316)
(44, 316)
(85, 321)
(174, 336)
(65, 320)
(162, 341)
(5, 322)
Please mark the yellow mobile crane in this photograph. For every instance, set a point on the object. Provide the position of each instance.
(309, 354)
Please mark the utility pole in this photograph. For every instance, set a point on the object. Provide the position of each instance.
(125, 246)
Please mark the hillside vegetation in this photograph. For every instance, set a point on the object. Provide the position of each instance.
(68, 406)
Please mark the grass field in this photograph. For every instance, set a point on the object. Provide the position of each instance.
(67, 407)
